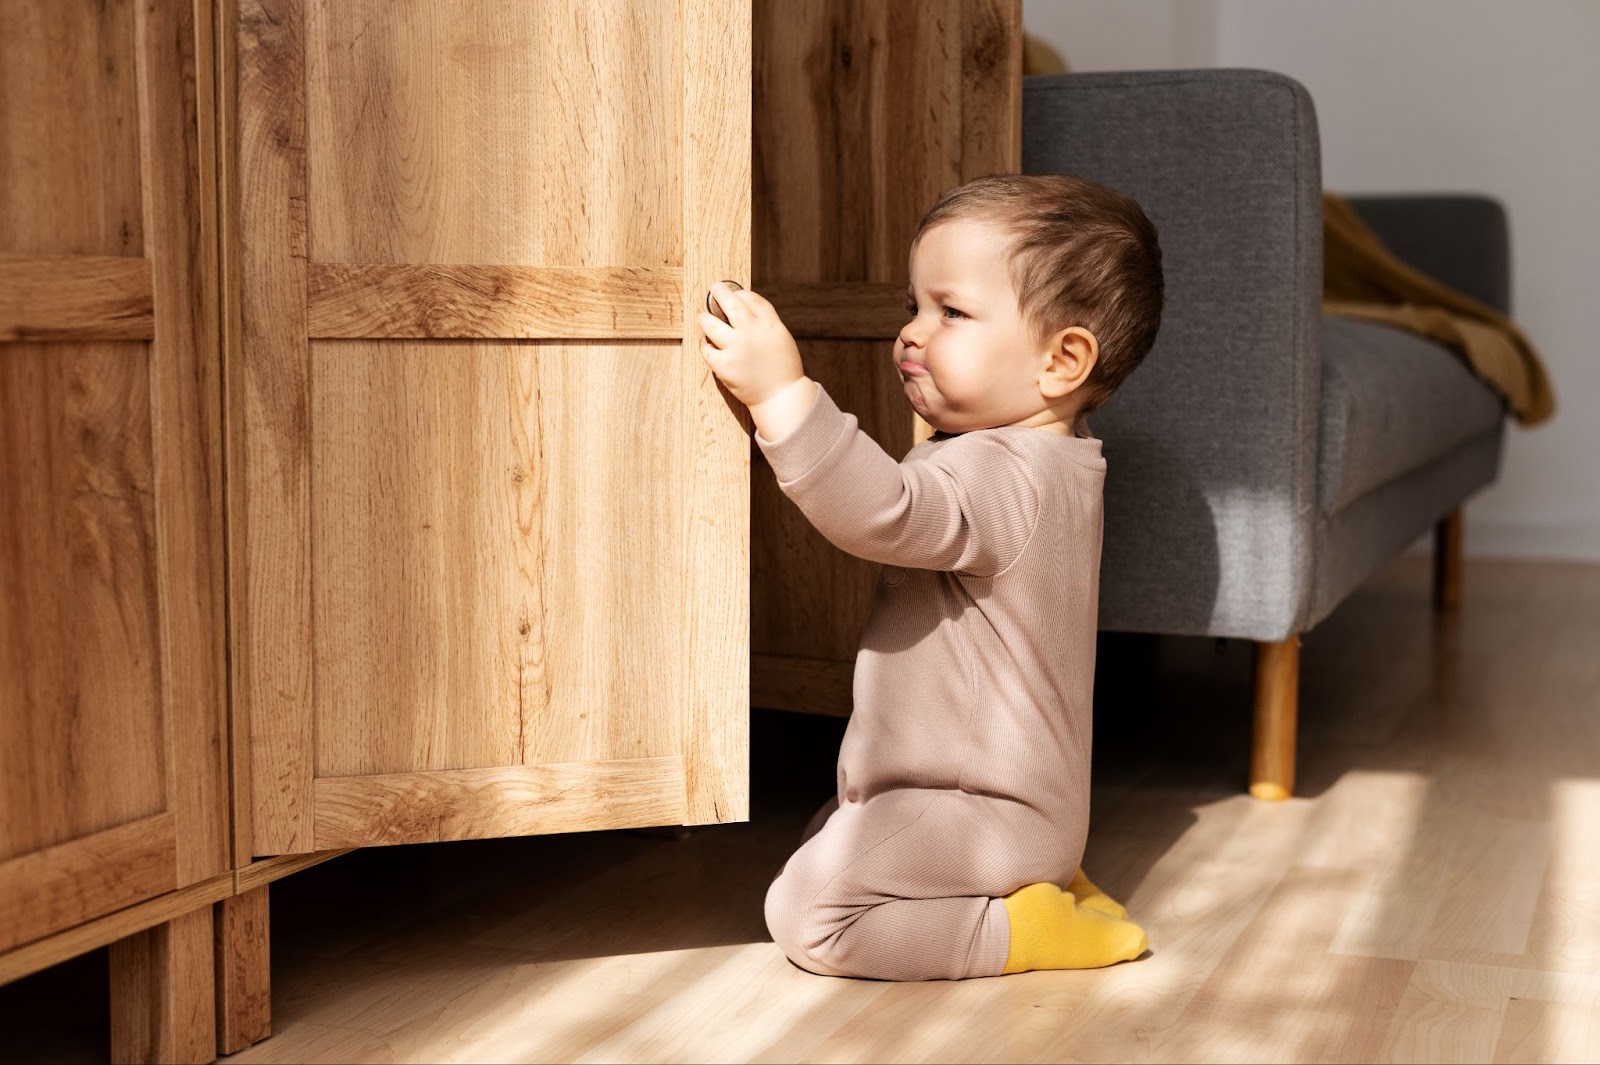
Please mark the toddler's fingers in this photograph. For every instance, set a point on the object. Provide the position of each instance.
(732, 302)
(716, 330)
(714, 359)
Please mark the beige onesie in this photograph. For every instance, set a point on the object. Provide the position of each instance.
(964, 770)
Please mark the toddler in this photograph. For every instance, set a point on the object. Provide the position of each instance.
(962, 804)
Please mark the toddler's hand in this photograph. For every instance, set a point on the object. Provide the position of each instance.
(752, 353)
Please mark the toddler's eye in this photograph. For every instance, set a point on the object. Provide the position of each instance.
(911, 308)
(952, 312)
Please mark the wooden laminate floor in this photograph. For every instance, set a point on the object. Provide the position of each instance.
(1433, 894)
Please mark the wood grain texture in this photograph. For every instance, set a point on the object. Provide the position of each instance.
(205, 301)
(243, 970)
(504, 801)
(52, 950)
(714, 444)
(1458, 1012)
(162, 994)
(864, 114)
(496, 133)
(355, 300)
(991, 88)
(1534, 1031)
(493, 565)
(269, 370)
(75, 297)
(69, 130)
(81, 730)
(225, 67)
(858, 129)
(54, 888)
(185, 425)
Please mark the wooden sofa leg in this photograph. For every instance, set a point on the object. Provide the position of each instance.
(1447, 562)
(1277, 703)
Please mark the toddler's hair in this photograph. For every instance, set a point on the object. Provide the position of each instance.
(1082, 254)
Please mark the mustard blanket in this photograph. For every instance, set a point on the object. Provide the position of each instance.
(1361, 279)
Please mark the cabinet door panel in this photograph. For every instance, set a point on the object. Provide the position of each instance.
(491, 573)
(492, 131)
(491, 510)
(112, 786)
(69, 130)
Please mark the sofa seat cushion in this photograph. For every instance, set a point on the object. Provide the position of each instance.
(1392, 401)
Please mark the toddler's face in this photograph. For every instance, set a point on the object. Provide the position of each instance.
(967, 359)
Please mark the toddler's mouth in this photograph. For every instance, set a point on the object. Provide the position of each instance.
(913, 368)
(914, 397)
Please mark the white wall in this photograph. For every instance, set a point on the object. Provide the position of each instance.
(1126, 34)
(1446, 95)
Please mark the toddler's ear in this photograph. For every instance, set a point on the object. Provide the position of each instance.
(1073, 354)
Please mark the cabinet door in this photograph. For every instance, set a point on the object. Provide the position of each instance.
(489, 510)
(112, 785)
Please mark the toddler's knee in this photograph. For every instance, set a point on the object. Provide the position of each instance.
(792, 920)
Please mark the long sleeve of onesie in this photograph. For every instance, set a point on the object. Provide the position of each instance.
(964, 771)
(968, 508)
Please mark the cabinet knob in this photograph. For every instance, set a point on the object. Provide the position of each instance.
(716, 308)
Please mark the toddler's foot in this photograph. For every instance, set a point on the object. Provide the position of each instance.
(1050, 930)
(1088, 895)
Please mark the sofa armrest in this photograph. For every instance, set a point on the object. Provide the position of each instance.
(1461, 240)
(1211, 444)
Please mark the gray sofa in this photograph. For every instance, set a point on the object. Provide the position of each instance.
(1265, 460)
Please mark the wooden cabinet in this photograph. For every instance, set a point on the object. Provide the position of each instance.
(363, 481)
(407, 376)
(489, 511)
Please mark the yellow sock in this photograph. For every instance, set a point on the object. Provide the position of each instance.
(1049, 930)
(1089, 895)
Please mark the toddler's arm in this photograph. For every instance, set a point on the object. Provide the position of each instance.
(970, 508)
